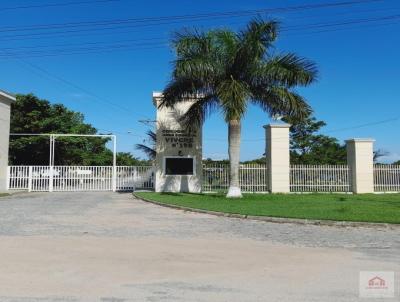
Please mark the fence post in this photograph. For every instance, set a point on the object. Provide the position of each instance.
(135, 173)
(114, 178)
(278, 157)
(8, 179)
(51, 178)
(30, 178)
(360, 158)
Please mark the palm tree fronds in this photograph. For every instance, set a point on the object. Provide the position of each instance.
(257, 38)
(150, 152)
(225, 70)
(153, 137)
(282, 101)
(180, 90)
(289, 70)
(199, 111)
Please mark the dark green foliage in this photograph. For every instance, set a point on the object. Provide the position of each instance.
(259, 161)
(127, 159)
(30, 114)
(308, 147)
(210, 161)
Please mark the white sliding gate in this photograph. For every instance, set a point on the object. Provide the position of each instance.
(80, 178)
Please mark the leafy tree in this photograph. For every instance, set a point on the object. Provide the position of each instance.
(126, 159)
(308, 147)
(226, 71)
(32, 115)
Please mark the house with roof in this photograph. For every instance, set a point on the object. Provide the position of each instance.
(376, 282)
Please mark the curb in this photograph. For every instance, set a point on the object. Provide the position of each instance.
(331, 223)
(13, 193)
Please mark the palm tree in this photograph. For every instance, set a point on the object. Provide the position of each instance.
(150, 151)
(226, 71)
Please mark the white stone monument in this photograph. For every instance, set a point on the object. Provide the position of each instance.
(5, 107)
(179, 151)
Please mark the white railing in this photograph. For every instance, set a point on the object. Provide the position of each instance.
(18, 177)
(80, 178)
(387, 178)
(320, 178)
(131, 178)
(215, 177)
(252, 178)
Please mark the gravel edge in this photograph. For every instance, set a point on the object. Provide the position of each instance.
(277, 219)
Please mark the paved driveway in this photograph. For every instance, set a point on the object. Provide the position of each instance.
(111, 247)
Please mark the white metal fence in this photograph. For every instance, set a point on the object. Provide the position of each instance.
(320, 178)
(252, 178)
(18, 177)
(80, 178)
(387, 178)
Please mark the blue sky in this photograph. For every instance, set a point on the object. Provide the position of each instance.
(108, 72)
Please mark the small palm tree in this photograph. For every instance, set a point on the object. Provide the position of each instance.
(227, 71)
(150, 151)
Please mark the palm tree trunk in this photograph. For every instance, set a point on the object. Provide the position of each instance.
(234, 156)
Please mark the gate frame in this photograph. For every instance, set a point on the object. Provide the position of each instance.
(52, 138)
(114, 165)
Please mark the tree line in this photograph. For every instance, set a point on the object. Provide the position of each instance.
(31, 115)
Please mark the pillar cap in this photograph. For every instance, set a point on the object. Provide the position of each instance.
(277, 125)
(360, 140)
(157, 95)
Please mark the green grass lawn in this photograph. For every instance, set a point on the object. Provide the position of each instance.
(4, 194)
(341, 207)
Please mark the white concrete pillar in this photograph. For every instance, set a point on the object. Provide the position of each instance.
(5, 104)
(278, 157)
(360, 158)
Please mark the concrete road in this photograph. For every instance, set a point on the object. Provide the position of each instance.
(111, 247)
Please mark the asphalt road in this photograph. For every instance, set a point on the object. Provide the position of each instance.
(111, 247)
